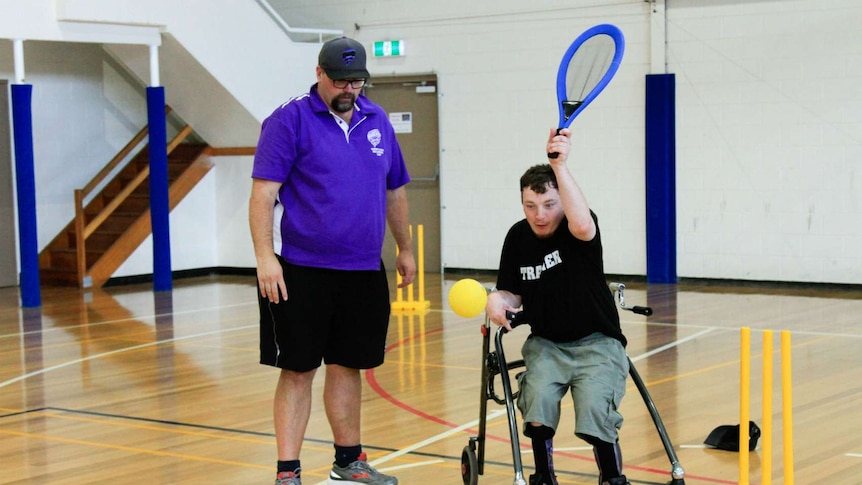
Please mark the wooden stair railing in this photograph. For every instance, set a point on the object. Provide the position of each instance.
(83, 230)
(112, 210)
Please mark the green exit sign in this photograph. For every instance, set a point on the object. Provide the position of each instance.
(389, 48)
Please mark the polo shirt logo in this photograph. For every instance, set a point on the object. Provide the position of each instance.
(374, 137)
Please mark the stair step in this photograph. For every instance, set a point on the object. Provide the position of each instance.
(68, 258)
(136, 203)
(101, 240)
(116, 223)
(58, 276)
(119, 221)
(178, 161)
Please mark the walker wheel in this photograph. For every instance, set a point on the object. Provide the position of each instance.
(469, 466)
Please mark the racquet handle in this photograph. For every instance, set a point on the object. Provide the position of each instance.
(555, 154)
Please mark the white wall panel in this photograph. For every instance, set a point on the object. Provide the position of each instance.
(764, 91)
(769, 122)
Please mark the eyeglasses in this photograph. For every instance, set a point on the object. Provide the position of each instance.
(354, 83)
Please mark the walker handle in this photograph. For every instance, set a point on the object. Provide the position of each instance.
(515, 319)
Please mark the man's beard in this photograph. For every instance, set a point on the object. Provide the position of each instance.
(343, 103)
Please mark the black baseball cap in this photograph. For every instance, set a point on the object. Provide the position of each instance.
(343, 58)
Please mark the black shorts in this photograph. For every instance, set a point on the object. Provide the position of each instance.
(339, 317)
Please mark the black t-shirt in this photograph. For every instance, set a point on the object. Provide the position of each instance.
(561, 282)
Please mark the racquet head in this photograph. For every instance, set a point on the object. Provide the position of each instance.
(586, 69)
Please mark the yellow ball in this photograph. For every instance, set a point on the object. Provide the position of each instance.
(467, 298)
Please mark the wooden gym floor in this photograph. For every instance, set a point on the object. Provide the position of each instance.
(124, 384)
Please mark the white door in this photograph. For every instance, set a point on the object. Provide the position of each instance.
(411, 102)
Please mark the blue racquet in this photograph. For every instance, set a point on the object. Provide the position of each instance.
(586, 69)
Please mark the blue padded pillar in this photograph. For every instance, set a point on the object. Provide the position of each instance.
(159, 198)
(661, 178)
(25, 179)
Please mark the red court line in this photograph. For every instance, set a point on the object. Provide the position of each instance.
(372, 381)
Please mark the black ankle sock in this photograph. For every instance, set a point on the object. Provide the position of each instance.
(345, 455)
(289, 466)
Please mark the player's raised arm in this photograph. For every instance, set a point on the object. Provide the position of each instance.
(575, 206)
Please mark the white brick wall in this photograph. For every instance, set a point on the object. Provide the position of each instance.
(769, 111)
(768, 135)
(769, 97)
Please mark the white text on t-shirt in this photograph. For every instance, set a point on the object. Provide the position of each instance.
(529, 273)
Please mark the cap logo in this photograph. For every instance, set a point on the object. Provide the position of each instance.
(348, 56)
(343, 58)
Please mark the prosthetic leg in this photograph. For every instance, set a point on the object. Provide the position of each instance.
(609, 458)
(542, 438)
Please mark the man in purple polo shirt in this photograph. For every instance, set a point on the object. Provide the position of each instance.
(328, 175)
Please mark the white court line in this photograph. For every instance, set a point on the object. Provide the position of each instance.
(45, 331)
(391, 456)
(422, 444)
(120, 320)
(118, 351)
(570, 448)
(500, 412)
(675, 343)
(854, 455)
(413, 465)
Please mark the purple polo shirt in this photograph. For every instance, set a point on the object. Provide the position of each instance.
(331, 207)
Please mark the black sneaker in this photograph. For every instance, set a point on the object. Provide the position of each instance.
(288, 478)
(621, 480)
(539, 479)
(359, 473)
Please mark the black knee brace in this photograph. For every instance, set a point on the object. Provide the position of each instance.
(539, 432)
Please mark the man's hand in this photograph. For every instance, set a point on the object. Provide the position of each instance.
(405, 264)
(500, 302)
(270, 279)
(559, 143)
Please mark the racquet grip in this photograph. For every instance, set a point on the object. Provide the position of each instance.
(555, 154)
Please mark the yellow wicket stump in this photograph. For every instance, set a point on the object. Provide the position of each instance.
(745, 403)
(404, 298)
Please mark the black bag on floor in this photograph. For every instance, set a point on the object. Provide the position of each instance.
(726, 437)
